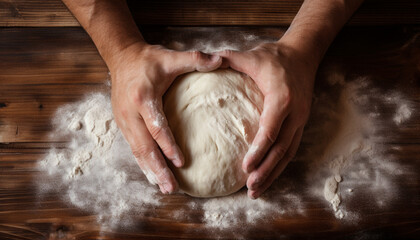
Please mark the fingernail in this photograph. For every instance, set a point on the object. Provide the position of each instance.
(214, 58)
(178, 162)
(162, 189)
(179, 159)
(252, 195)
(168, 187)
(245, 165)
(252, 150)
(248, 168)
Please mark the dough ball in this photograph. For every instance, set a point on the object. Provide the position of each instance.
(214, 118)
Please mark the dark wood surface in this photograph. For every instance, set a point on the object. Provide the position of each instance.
(53, 13)
(46, 67)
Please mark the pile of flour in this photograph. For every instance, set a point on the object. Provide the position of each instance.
(342, 159)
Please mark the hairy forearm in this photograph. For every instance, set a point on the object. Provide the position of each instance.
(112, 29)
(316, 25)
(109, 24)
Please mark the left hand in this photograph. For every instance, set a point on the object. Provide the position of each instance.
(285, 76)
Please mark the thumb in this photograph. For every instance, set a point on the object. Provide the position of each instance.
(195, 61)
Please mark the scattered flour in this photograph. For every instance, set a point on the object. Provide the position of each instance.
(96, 171)
(353, 155)
(237, 209)
(403, 107)
(403, 113)
(342, 158)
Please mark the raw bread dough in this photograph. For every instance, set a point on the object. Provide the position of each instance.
(214, 118)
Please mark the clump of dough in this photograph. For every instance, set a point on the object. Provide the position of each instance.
(214, 118)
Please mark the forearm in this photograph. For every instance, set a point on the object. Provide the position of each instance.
(109, 24)
(316, 25)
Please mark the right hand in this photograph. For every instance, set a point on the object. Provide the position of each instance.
(141, 74)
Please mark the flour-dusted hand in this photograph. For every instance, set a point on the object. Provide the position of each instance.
(286, 80)
(141, 74)
(285, 72)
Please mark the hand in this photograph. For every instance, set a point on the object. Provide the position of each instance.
(141, 74)
(285, 76)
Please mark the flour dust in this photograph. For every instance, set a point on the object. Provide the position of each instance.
(342, 159)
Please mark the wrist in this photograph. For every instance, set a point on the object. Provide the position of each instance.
(309, 45)
(124, 55)
(301, 53)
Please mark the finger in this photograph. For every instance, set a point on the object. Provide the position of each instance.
(183, 62)
(271, 120)
(156, 123)
(239, 61)
(274, 155)
(149, 156)
(225, 63)
(281, 165)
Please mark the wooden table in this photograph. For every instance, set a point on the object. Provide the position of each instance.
(46, 60)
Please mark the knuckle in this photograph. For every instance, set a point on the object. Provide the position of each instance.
(165, 140)
(142, 151)
(271, 134)
(227, 53)
(261, 177)
(156, 131)
(168, 150)
(157, 47)
(161, 175)
(135, 96)
(196, 56)
(279, 152)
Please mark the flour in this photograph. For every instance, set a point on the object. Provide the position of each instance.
(96, 171)
(403, 113)
(156, 114)
(228, 213)
(330, 189)
(238, 208)
(352, 156)
(342, 159)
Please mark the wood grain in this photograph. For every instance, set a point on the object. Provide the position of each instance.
(53, 13)
(44, 68)
(40, 73)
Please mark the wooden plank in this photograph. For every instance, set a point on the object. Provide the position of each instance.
(23, 214)
(41, 70)
(30, 13)
(52, 13)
